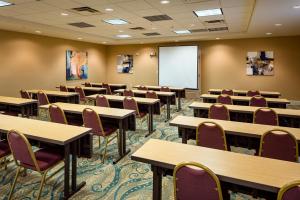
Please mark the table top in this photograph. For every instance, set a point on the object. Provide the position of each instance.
(116, 113)
(54, 133)
(16, 101)
(237, 128)
(117, 98)
(245, 92)
(85, 88)
(252, 171)
(55, 93)
(245, 98)
(248, 109)
(110, 84)
(156, 87)
(159, 93)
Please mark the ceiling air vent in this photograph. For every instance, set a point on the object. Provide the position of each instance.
(137, 28)
(85, 11)
(81, 25)
(218, 29)
(219, 21)
(156, 18)
(198, 30)
(151, 34)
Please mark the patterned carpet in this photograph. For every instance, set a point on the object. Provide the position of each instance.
(126, 180)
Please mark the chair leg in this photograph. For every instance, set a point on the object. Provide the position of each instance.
(5, 163)
(42, 184)
(14, 184)
(99, 142)
(105, 149)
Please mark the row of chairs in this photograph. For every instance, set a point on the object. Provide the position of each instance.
(257, 100)
(250, 93)
(162, 89)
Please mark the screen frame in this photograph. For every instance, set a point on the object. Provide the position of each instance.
(186, 45)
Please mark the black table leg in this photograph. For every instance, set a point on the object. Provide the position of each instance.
(157, 182)
(121, 142)
(168, 109)
(23, 111)
(179, 103)
(67, 171)
(184, 136)
(150, 121)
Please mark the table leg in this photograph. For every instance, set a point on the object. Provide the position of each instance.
(150, 121)
(121, 142)
(67, 171)
(179, 103)
(23, 110)
(157, 182)
(168, 109)
(184, 136)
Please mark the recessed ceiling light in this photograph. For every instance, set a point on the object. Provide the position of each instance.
(104, 42)
(64, 14)
(210, 12)
(268, 33)
(182, 31)
(278, 24)
(115, 21)
(4, 3)
(39, 32)
(109, 9)
(79, 38)
(296, 7)
(218, 38)
(123, 36)
(153, 28)
(164, 1)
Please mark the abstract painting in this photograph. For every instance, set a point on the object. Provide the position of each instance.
(77, 65)
(125, 64)
(260, 63)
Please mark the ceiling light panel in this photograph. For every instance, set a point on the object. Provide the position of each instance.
(4, 3)
(210, 12)
(115, 21)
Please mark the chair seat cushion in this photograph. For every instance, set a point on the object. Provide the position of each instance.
(142, 114)
(4, 149)
(108, 131)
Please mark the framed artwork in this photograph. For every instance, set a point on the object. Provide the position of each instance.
(260, 63)
(125, 64)
(76, 65)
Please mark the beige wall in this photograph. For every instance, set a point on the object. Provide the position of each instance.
(32, 61)
(222, 65)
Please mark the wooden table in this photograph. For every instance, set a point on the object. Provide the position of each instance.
(180, 92)
(113, 86)
(244, 100)
(151, 106)
(54, 133)
(268, 94)
(166, 97)
(287, 117)
(20, 105)
(55, 96)
(251, 133)
(120, 118)
(87, 90)
(232, 169)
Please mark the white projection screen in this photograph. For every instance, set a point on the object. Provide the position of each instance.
(178, 66)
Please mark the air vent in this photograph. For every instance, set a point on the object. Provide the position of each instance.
(218, 29)
(85, 11)
(151, 34)
(137, 28)
(221, 21)
(198, 30)
(81, 25)
(156, 18)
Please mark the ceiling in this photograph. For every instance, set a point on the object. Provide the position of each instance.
(244, 19)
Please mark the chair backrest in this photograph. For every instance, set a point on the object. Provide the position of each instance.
(22, 150)
(63, 88)
(42, 98)
(289, 191)
(57, 115)
(224, 99)
(87, 84)
(151, 95)
(227, 91)
(92, 120)
(102, 101)
(265, 116)
(218, 111)
(165, 89)
(24, 94)
(107, 87)
(128, 93)
(81, 93)
(194, 181)
(212, 135)
(258, 101)
(279, 144)
(252, 93)
(130, 104)
(142, 87)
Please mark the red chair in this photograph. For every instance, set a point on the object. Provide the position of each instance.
(151, 95)
(92, 120)
(25, 94)
(128, 93)
(142, 87)
(224, 99)
(40, 161)
(57, 115)
(279, 144)
(211, 135)
(258, 101)
(252, 93)
(165, 89)
(4, 152)
(81, 93)
(290, 191)
(130, 104)
(218, 111)
(102, 101)
(63, 88)
(42, 98)
(107, 87)
(227, 91)
(265, 116)
(87, 84)
(194, 181)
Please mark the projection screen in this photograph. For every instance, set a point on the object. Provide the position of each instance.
(178, 66)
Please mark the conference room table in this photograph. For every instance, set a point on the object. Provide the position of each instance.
(62, 135)
(244, 100)
(180, 92)
(87, 90)
(113, 86)
(122, 119)
(286, 117)
(151, 106)
(237, 133)
(233, 170)
(167, 97)
(268, 94)
(22, 106)
(56, 96)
